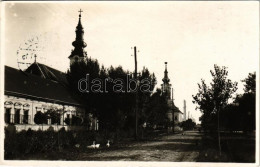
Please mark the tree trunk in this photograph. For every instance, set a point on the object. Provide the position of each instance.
(219, 145)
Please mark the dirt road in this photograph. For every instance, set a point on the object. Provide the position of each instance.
(175, 148)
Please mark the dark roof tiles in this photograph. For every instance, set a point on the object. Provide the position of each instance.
(24, 84)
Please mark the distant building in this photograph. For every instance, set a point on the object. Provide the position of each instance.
(173, 114)
(39, 88)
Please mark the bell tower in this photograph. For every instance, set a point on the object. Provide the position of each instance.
(78, 54)
(166, 86)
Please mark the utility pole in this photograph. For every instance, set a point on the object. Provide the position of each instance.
(136, 96)
(172, 96)
(184, 110)
(173, 117)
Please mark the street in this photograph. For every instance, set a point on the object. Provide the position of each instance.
(175, 148)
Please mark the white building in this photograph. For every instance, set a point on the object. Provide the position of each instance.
(40, 88)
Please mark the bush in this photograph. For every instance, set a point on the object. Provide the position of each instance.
(18, 145)
(76, 120)
(50, 128)
(10, 129)
(54, 116)
(40, 118)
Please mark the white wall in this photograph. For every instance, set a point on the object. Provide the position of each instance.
(35, 106)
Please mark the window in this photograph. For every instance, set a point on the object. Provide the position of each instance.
(17, 116)
(8, 115)
(26, 117)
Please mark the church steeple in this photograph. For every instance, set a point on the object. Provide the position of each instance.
(165, 79)
(78, 53)
(166, 86)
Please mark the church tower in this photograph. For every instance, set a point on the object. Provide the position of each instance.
(78, 54)
(166, 90)
(173, 114)
(166, 86)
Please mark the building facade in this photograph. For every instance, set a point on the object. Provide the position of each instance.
(39, 89)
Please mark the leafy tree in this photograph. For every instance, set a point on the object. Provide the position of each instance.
(247, 103)
(114, 105)
(250, 83)
(40, 118)
(54, 115)
(231, 118)
(76, 120)
(188, 124)
(212, 99)
(79, 71)
(145, 96)
(157, 109)
(240, 115)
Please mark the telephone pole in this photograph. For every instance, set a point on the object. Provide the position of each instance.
(184, 110)
(173, 117)
(136, 96)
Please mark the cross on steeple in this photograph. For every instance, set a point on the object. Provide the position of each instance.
(80, 12)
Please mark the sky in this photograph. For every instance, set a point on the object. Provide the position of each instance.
(190, 36)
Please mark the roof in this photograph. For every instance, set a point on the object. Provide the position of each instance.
(176, 109)
(22, 84)
(47, 72)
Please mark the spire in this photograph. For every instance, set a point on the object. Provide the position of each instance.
(79, 26)
(79, 43)
(166, 79)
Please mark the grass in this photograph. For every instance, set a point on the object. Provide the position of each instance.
(235, 148)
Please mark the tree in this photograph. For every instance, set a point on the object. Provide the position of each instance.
(54, 115)
(76, 120)
(212, 99)
(188, 124)
(40, 118)
(240, 115)
(145, 96)
(250, 83)
(79, 71)
(114, 109)
(156, 111)
(246, 103)
(246, 109)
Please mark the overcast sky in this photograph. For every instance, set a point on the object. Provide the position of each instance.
(190, 36)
